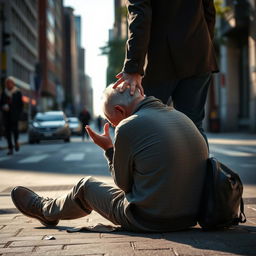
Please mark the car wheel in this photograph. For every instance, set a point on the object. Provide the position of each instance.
(67, 139)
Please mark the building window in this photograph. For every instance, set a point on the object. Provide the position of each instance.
(50, 35)
(50, 19)
(20, 72)
(22, 29)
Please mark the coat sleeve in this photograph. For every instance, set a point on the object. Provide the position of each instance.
(120, 162)
(139, 26)
(209, 13)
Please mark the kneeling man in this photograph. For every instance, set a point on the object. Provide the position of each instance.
(157, 160)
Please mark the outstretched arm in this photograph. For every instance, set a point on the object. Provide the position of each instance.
(139, 20)
(209, 13)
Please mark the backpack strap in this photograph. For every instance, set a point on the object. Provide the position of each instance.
(242, 217)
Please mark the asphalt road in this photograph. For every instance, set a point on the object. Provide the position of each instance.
(85, 158)
(76, 157)
(237, 152)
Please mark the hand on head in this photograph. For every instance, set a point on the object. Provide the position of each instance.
(131, 81)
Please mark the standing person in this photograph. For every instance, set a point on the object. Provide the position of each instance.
(11, 106)
(84, 118)
(175, 39)
(99, 123)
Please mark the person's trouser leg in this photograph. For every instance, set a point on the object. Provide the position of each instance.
(15, 130)
(189, 97)
(89, 194)
(8, 134)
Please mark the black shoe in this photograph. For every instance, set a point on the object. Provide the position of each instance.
(17, 147)
(31, 205)
(10, 152)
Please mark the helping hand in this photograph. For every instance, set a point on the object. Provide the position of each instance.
(129, 80)
(104, 140)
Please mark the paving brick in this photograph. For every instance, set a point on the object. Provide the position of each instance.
(154, 253)
(6, 235)
(56, 253)
(21, 238)
(16, 250)
(48, 248)
(124, 249)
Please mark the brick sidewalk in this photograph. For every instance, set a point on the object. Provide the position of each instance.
(20, 235)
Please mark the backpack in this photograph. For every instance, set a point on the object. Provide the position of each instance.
(221, 203)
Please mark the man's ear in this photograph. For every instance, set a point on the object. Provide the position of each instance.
(120, 109)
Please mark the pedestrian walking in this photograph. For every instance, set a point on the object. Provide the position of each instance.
(158, 162)
(99, 123)
(175, 41)
(11, 106)
(84, 118)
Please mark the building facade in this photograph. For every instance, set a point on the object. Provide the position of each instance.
(71, 85)
(19, 45)
(83, 80)
(51, 56)
(120, 26)
(235, 85)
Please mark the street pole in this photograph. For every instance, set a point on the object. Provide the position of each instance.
(3, 54)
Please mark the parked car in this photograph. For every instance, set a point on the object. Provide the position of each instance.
(75, 125)
(49, 125)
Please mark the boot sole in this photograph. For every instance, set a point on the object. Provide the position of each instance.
(42, 221)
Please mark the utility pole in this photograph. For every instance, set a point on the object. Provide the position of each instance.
(4, 43)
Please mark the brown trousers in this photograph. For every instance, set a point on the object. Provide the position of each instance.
(87, 195)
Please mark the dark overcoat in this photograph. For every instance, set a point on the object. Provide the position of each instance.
(170, 39)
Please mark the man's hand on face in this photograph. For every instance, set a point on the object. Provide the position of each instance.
(129, 81)
(104, 140)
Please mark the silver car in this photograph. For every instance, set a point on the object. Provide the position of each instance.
(50, 125)
(75, 125)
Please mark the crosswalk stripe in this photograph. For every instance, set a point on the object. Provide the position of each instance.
(249, 149)
(4, 158)
(231, 152)
(74, 157)
(33, 159)
(96, 165)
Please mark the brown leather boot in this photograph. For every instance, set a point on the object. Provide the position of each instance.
(31, 205)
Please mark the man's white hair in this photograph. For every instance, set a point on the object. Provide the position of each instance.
(113, 97)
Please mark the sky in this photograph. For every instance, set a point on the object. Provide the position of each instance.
(97, 18)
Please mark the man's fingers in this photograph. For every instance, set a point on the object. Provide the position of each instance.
(125, 85)
(141, 90)
(106, 129)
(119, 81)
(90, 132)
(133, 88)
(119, 75)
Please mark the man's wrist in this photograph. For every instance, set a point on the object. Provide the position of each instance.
(109, 154)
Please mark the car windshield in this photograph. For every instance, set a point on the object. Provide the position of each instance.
(43, 118)
(73, 120)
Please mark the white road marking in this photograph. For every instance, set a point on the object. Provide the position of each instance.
(33, 159)
(249, 149)
(230, 152)
(4, 158)
(74, 157)
(96, 165)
